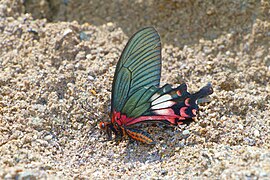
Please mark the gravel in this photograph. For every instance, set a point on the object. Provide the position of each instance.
(56, 70)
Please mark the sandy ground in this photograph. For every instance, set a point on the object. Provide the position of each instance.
(56, 69)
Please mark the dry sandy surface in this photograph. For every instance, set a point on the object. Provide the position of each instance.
(57, 60)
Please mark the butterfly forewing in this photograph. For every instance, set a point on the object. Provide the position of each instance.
(137, 71)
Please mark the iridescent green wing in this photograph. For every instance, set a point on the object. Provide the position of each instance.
(138, 71)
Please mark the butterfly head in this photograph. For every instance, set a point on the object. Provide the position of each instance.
(103, 125)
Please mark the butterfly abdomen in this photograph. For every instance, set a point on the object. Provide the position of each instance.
(139, 135)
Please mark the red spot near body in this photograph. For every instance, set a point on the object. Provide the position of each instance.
(179, 93)
(118, 118)
(194, 112)
(183, 112)
(187, 102)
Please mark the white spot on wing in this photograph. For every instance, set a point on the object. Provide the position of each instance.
(163, 105)
(161, 99)
(155, 96)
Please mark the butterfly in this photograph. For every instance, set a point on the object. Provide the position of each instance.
(136, 95)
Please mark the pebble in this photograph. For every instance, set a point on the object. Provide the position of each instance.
(241, 126)
(256, 133)
(27, 175)
(207, 50)
(203, 131)
(84, 36)
(67, 31)
(164, 172)
(91, 78)
(109, 24)
(186, 132)
(48, 137)
(221, 47)
(228, 53)
(8, 176)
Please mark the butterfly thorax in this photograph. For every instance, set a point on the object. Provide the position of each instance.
(120, 119)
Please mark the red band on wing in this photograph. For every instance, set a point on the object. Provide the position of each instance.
(171, 119)
(161, 114)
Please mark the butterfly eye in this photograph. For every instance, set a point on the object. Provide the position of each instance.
(102, 125)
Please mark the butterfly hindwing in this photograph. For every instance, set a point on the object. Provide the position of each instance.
(171, 105)
(177, 102)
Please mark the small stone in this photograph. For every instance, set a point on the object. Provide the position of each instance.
(93, 92)
(109, 24)
(27, 138)
(42, 142)
(250, 142)
(67, 31)
(88, 56)
(8, 176)
(186, 132)
(241, 126)
(91, 78)
(48, 137)
(259, 53)
(84, 36)
(221, 47)
(27, 175)
(203, 131)
(256, 133)
(164, 172)
(228, 53)
(263, 174)
(207, 50)
(79, 66)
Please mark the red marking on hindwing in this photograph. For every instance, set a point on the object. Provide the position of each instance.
(183, 112)
(179, 93)
(187, 102)
(194, 112)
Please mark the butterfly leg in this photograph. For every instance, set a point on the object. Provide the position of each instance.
(118, 138)
(117, 132)
(139, 135)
